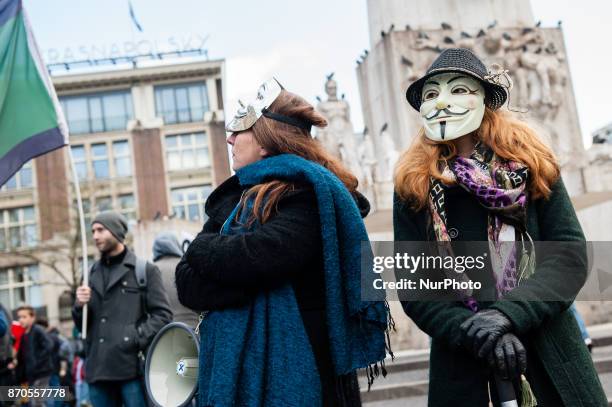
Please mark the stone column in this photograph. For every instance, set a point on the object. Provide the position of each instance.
(149, 173)
(52, 190)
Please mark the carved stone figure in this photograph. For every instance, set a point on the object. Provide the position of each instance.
(390, 153)
(338, 137)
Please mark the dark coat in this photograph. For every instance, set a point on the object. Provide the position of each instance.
(116, 326)
(559, 364)
(219, 272)
(34, 357)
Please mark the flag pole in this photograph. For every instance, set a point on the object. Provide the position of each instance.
(85, 273)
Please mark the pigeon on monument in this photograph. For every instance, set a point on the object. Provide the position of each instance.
(406, 61)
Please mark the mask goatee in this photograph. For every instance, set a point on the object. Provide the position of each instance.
(442, 129)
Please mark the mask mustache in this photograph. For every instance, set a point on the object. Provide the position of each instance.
(447, 111)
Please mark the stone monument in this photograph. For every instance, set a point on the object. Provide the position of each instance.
(405, 37)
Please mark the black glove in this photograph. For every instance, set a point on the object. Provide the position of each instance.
(508, 358)
(480, 331)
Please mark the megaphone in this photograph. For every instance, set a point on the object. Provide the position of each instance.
(171, 369)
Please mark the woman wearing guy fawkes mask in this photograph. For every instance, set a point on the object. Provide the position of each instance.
(474, 173)
(277, 267)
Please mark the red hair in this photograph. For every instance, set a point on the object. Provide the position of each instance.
(507, 136)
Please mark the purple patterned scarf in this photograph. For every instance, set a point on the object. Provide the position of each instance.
(499, 186)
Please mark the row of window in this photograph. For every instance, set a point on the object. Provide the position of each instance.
(18, 227)
(109, 111)
(188, 203)
(114, 159)
(94, 160)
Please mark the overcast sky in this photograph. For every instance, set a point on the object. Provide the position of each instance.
(300, 42)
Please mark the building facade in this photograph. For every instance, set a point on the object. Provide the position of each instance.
(148, 142)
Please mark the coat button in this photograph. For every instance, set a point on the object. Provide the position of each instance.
(124, 282)
(103, 320)
(101, 340)
(453, 233)
(126, 339)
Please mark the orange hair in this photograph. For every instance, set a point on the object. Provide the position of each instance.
(281, 138)
(507, 136)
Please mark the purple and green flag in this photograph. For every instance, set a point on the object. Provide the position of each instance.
(31, 119)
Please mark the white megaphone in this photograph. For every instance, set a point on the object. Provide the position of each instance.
(171, 369)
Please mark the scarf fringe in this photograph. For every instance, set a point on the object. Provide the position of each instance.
(374, 370)
(390, 328)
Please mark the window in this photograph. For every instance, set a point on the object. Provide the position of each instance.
(126, 205)
(19, 286)
(101, 160)
(99, 112)
(181, 103)
(188, 203)
(80, 161)
(121, 156)
(184, 151)
(21, 179)
(86, 212)
(65, 302)
(18, 228)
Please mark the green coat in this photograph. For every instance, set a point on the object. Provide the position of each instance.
(547, 328)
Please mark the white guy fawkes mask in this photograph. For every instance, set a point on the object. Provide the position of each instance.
(248, 114)
(452, 106)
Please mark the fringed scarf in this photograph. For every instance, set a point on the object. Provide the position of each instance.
(500, 186)
(260, 354)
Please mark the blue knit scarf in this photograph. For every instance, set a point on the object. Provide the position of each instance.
(259, 354)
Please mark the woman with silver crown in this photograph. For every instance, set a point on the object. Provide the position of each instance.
(276, 269)
(474, 173)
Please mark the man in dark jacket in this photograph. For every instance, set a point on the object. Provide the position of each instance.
(122, 318)
(34, 357)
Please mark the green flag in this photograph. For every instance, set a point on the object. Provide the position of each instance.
(31, 119)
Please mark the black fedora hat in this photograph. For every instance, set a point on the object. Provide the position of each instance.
(459, 60)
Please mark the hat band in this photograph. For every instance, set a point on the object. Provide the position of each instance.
(472, 73)
(287, 120)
